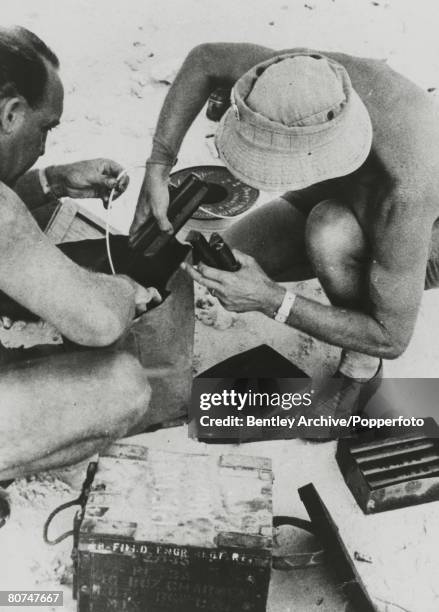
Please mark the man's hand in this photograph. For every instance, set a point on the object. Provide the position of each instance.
(93, 178)
(153, 200)
(248, 289)
(143, 296)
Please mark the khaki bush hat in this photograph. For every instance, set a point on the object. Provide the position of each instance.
(295, 120)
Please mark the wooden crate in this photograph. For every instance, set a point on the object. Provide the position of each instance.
(71, 221)
(172, 531)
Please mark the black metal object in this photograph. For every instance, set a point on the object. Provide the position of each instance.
(260, 370)
(395, 472)
(335, 551)
(152, 577)
(218, 103)
(153, 257)
(227, 196)
(201, 250)
(79, 501)
(184, 201)
(215, 253)
(224, 256)
(115, 571)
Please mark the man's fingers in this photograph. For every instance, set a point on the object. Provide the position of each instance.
(144, 297)
(163, 222)
(141, 309)
(114, 176)
(109, 183)
(112, 187)
(141, 216)
(196, 276)
(211, 273)
(136, 224)
(154, 295)
(6, 322)
(123, 183)
(119, 187)
(241, 257)
(159, 208)
(111, 168)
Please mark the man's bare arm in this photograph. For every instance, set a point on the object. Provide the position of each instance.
(205, 68)
(28, 188)
(400, 246)
(90, 309)
(400, 249)
(91, 178)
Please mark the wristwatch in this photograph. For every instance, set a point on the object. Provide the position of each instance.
(285, 308)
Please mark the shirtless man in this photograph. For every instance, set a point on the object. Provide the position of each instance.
(354, 147)
(61, 408)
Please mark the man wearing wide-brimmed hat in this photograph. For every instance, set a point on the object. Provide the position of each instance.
(353, 147)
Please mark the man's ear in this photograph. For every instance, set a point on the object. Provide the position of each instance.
(12, 114)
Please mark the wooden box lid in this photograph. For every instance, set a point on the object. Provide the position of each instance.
(180, 498)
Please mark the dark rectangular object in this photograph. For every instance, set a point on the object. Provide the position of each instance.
(394, 472)
(215, 253)
(152, 258)
(184, 201)
(335, 550)
(164, 531)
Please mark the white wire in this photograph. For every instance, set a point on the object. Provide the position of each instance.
(110, 205)
(107, 220)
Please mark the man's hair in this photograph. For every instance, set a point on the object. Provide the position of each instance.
(23, 69)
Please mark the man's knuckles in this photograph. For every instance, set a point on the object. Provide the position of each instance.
(209, 272)
(243, 258)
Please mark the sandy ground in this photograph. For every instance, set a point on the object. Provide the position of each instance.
(113, 57)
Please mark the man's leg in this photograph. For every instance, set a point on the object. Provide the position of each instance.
(61, 409)
(337, 247)
(161, 340)
(274, 234)
(324, 239)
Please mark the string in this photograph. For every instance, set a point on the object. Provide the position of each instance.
(107, 219)
(109, 208)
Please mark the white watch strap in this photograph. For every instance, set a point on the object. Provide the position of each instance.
(285, 308)
(43, 181)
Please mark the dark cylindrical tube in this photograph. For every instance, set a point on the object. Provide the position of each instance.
(201, 249)
(223, 255)
(217, 104)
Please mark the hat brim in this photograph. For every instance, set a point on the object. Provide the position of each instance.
(336, 152)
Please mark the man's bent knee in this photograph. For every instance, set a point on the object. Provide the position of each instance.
(333, 234)
(130, 393)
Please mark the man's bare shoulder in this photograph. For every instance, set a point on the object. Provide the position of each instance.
(11, 209)
(405, 120)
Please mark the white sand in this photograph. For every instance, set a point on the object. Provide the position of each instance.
(112, 55)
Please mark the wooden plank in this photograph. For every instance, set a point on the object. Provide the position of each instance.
(395, 553)
(72, 221)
